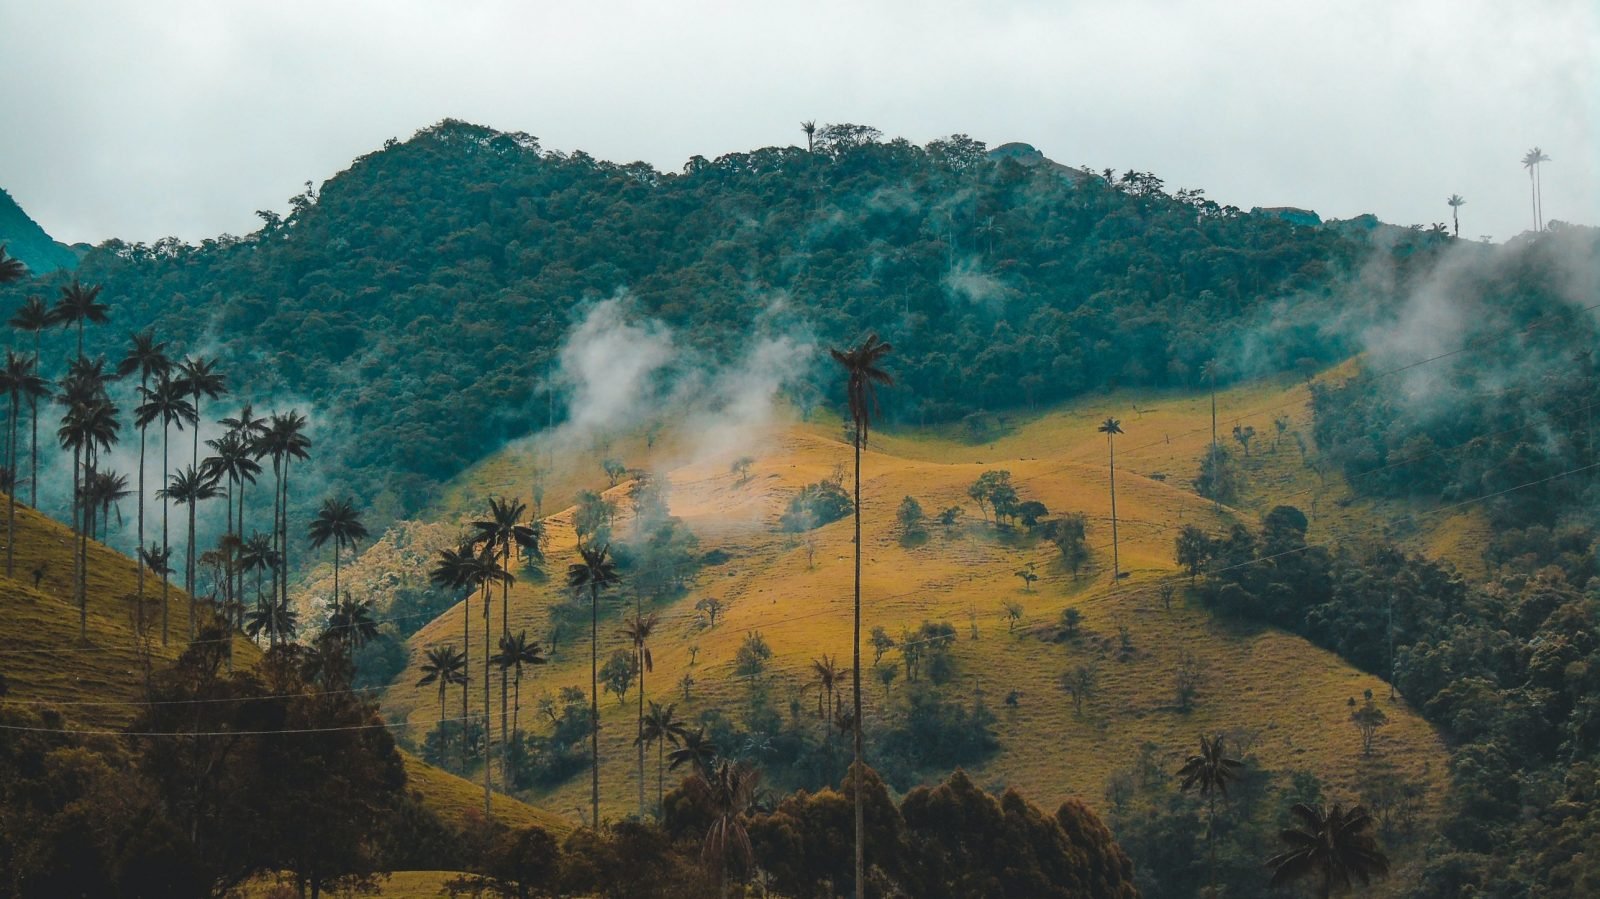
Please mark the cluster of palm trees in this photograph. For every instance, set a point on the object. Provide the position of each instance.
(484, 559)
(170, 393)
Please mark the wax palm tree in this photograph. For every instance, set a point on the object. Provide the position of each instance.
(249, 429)
(167, 403)
(694, 750)
(810, 128)
(11, 268)
(277, 620)
(285, 441)
(233, 463)
(516, 652)
(159, 561)
(256, 554)
(638, 632)
(1456, 203)
(501, 531)
(34, 318)
(1334, 846)
(338, 521)
(483, 571)
(660, 726)
(862, 375)
(146, 358)
(595, 572)
(1530, 161)
(1209, 772)
(190, 486)
(827, 677)
(20, 379)
(105, 490)
(89, 427)
(452, 572)
(446, 665)
(728, 792)
(352, 624)
(200, 377)
(1111, 427)
(80, 304)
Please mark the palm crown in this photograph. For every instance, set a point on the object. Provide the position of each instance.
(862, 376)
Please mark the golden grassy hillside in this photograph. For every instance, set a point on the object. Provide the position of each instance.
(99, 684)
(1287, 694)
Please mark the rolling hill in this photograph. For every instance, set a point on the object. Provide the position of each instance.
(25, 240)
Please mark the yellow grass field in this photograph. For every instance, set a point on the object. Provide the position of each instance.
(99, 685)
(1279, 691)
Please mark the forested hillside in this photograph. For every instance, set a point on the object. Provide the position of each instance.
(434, 280)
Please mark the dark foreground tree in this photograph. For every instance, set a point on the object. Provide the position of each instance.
(1333, 848)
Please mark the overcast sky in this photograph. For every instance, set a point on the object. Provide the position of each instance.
(139, 120)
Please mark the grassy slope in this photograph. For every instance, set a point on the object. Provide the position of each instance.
(43, 661)
(1300, 721)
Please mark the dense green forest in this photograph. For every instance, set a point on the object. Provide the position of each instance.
(434, 280)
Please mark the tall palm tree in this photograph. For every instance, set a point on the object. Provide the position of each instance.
(78, 304)
(595, 572)
(338, 521)
(862, 375)
(89, 427)
(285, 441)
(483, 570)
(827, 676)
(104, 490)
(1335, 846)
(502, 530)
(20, 379)
(201, 378)
(11, 268)
(233, 463)
(278, 620)
(168, 403)
(661, 725)
(810, 128)
(516, 652)
(728, 792)
(147, 358)
(34, 318)
(1456, 202)
(190, 486)
(446, 665)
(1210, 771)
(638, 632)
(453, 572)
(1111, 427)
(1530, 161)
(695, 750)
(249, 429)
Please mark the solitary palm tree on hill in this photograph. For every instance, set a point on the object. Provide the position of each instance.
(78, 304)
(1210, 771)
(167, 403)
(34, 318)
(827, 675)
(516, 652)
(146, 358)
(190, 486)
(1111, 427)
(661, 725)
(595, 572)
(446, 665)
(638, 632)
(862, 375)
(1456, 203)
(338, 521)
(810, 128)
(1334, 846)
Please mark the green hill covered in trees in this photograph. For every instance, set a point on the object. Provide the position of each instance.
(25, 240)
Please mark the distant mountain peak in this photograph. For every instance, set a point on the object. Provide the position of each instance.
(25, 240)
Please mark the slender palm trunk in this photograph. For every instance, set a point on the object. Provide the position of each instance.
(1116, 565)
(861, 833)
(1538, 189)
(639, 741)
(33, 403)
(166, 575)
(466, 668)
(1211, 841)
(1455, 218)
(283, 547)
(11, 491)
(661, 777)
(488, 733)
(144, 388)
(188, 566)
(594, 704)
(1533, 200)
(505, 632)
(516, 733)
